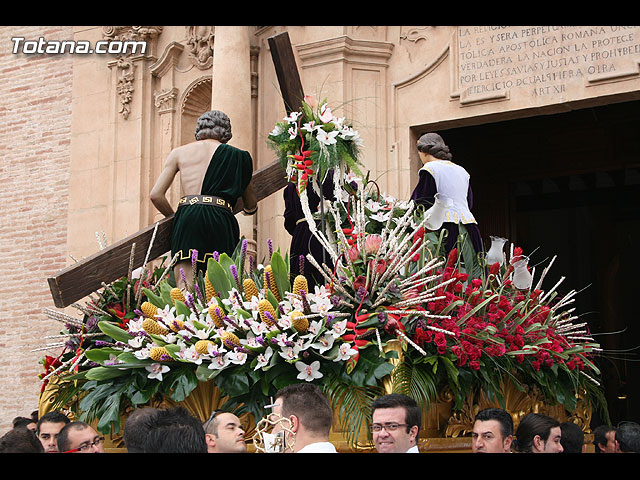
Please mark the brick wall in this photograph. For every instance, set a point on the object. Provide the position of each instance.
(35, 128)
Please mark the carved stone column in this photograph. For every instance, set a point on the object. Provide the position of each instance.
(231, 93)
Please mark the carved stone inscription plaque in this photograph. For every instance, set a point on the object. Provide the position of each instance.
(541, 61)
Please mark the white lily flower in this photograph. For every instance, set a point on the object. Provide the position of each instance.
(219, 362)
(324, 343)
(190, 355)
(315, 327)
(293, 131)
(277, 130)
(293, 117)
(156, 370)
(143, 353)
(381, 217)
(282, 339)
(289, 353)
(238, 357)
(310, 126)
(320, 305)
(135, 325)
(308, 372)
(345, 352)
(327, 138)
(339, 328)
(264, 358)
(259, 327)
(136, 342)
(284, 322)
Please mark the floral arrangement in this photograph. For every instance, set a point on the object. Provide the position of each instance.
(462, 321)
(311, 141)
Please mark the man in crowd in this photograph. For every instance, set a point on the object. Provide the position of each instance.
(604, 439)
(136, 428)
(48, 428)
(224, 433)
(538, 433)
(492, 431)
(572, 438)
(308, 415)
(174, 430)
(628, 437)
(395, 425)
(80, 437)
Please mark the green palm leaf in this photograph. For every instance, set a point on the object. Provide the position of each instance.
(354, 405)
(417, 383)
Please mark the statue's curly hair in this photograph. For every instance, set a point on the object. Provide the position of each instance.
(214, 125)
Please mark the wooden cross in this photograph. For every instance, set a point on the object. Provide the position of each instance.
(86, 276)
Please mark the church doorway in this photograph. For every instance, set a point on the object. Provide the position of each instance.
(568, 184)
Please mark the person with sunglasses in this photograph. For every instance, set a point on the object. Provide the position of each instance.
(224, 433)
(395, 424)
(80, 437)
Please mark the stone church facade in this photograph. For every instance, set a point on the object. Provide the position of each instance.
(85, 135)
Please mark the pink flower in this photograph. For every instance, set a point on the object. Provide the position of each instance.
(380, 267)
(325, 114)
(353, 253)
(372, 244)
(311, 100)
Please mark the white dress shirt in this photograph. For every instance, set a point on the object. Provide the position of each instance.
(319, 447)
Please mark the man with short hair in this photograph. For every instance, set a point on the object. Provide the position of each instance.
(309, 418)
(174, 430)
(628, 437)
(136, 428)
(80, 437)
(604, 439)
(48, 428)
(395, 424)
(20, 440)
(492, 431)
(572, 438)
(224, 433)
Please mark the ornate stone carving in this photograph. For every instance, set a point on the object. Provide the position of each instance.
(200, 43)
(124, 87)
(165, 100)
(124, 62)
(138, 34)
(415, 34)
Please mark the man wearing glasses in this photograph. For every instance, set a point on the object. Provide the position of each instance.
(79, 437)
(395, 425)
(224, 433)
